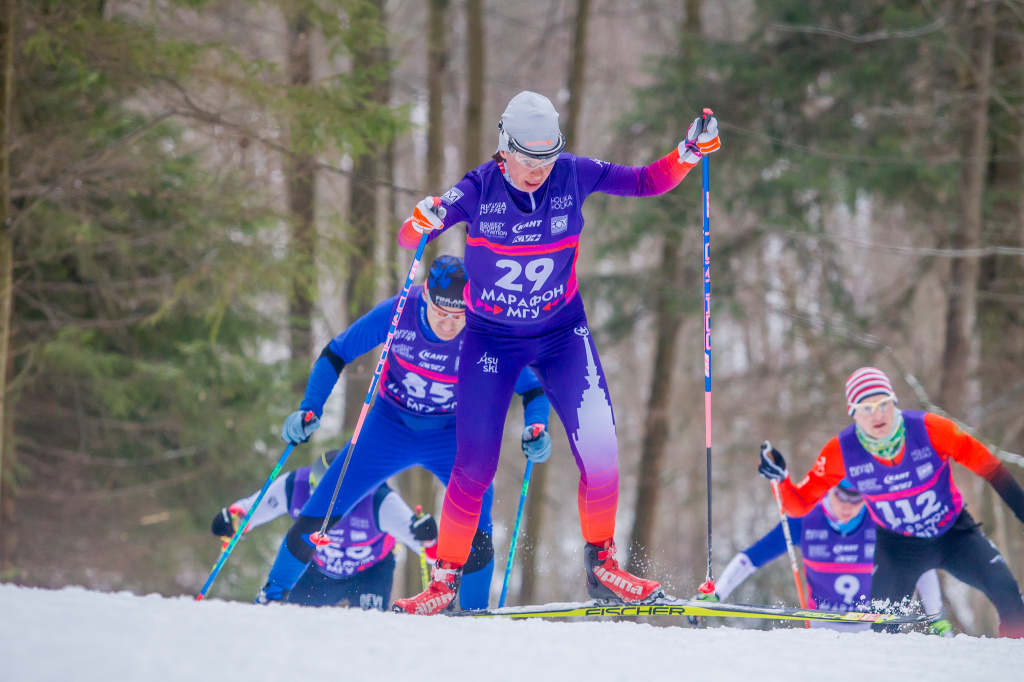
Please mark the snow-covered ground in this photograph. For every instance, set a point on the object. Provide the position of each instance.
(81, 636)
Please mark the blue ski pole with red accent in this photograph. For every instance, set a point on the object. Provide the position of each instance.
(705, 167)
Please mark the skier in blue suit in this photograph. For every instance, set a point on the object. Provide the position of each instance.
(412, 422)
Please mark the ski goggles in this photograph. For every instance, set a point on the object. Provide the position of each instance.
(527, 158)
(865, 407)
(441, 312)
(532, 162)
(848, 495)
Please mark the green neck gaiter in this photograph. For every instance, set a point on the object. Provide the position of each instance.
(885, 448)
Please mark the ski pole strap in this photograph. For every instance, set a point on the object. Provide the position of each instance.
(515, 533)
(226, 552)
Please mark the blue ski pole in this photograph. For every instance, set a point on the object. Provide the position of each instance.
(515, 533)
(709, 583)
(226, 552)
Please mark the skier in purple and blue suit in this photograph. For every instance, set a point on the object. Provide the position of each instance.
(411, 423)
(837, 542)
(358, 565)
(524, 214)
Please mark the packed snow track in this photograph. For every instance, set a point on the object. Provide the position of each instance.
(75, 634)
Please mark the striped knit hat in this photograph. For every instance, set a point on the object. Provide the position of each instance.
(865, 382)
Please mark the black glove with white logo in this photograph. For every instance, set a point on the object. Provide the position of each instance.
(424, 529)
(773, 464)
(225, 523)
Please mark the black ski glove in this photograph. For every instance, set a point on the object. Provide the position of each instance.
(424, 529)
(773, 464)
(223, 525)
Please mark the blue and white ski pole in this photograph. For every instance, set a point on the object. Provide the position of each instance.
(515, 533)
(226, 552)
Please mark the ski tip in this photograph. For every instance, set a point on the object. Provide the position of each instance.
(319, 540)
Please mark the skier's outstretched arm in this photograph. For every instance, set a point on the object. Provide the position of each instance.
(950, 441)
(457, 205)
(275, 503)
(799, 499)
(366, 333)
(657, 178)
(396, 518)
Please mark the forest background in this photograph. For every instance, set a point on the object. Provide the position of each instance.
(197, 194)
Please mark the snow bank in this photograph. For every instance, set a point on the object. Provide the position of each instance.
(82, 636)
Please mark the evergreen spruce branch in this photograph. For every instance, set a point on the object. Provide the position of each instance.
(914, 160)
(116, 462)
(979, 252)
(119, 285)
(83, 166)
(197, 112)
(109, 493)
(937, 25)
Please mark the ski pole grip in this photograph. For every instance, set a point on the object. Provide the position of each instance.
(705, 117)
(308, 418)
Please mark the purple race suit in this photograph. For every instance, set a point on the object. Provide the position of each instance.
(356, 541)
(420, 375)
(916, 497)
(523, 310)
(522, 265)
(838, 567)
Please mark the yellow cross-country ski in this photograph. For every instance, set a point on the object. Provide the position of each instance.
(672, 607)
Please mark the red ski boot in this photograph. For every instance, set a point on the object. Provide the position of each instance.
(439, 595)
(605, 580)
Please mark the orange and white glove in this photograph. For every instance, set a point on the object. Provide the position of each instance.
(428, 215)
(698, 143)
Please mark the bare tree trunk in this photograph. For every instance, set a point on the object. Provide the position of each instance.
(437, 64)
(963, 275)
(476, 67)
(301, 173)
(958, 357)
(419, 483)
(391, 271)
(577, 74)
(361, 278)
(656, 424)
(669, 319)
(8, 18)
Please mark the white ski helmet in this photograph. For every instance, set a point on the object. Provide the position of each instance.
(530, 126)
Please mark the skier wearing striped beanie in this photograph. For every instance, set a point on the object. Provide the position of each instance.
(900, 461)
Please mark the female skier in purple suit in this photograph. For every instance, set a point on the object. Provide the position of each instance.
(524, 216)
